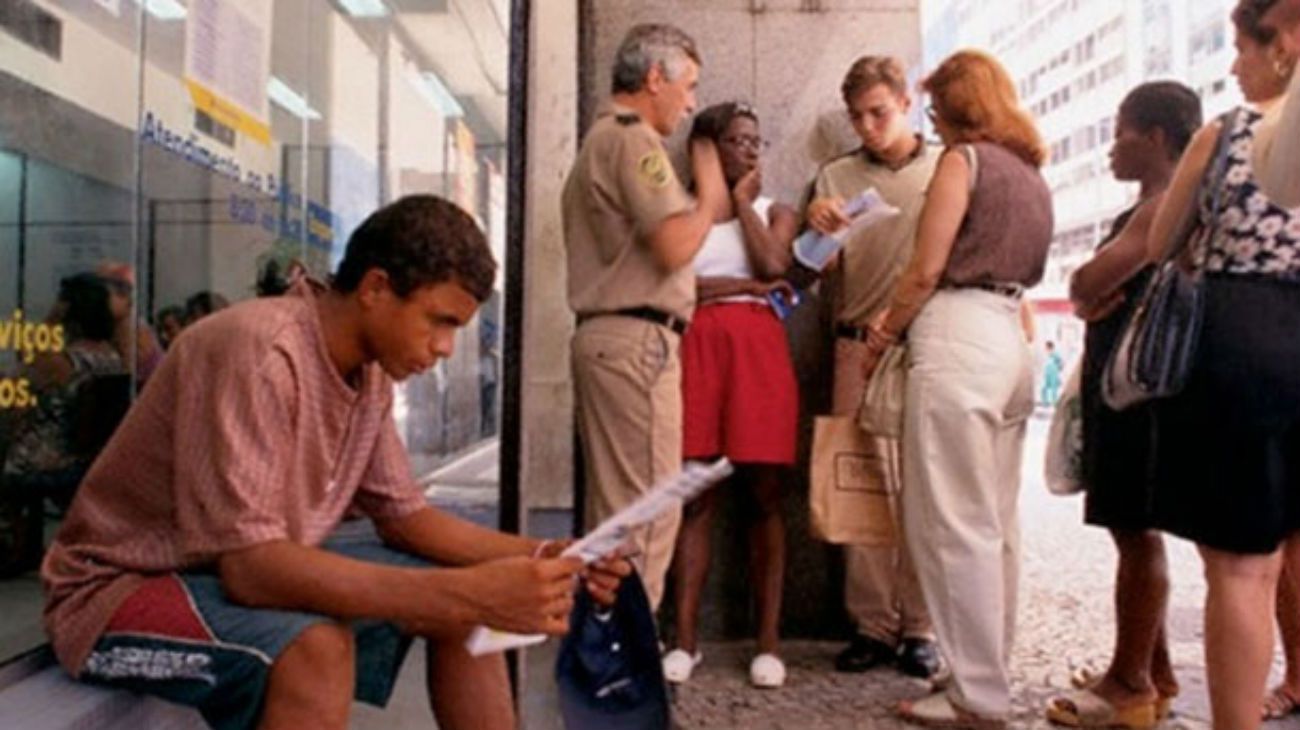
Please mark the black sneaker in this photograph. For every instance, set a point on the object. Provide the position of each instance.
(919, 658)
(863, 653)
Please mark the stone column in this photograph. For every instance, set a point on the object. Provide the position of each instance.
(546, 477)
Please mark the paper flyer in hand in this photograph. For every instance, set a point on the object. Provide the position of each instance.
(814, 249)
(611, 535)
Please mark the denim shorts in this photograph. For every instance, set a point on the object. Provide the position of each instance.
(178, 637)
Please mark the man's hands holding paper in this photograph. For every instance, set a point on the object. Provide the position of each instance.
(524, 595)
(602, 577)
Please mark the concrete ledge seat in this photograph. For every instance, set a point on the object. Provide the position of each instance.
(35, 694)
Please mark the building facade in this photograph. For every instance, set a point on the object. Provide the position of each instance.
(1073, 61)
(199, 153)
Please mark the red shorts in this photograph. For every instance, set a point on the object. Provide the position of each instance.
(739, 395)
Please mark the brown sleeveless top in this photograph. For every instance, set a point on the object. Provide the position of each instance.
(1008, 226)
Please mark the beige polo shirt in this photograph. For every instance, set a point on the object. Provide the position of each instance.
(620, 189)
(874, 258)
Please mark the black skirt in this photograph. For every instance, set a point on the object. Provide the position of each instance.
(1227, 450)
(1117, 445)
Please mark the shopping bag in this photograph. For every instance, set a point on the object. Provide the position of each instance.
(1063, 465)
(881, 412)
(849, 499)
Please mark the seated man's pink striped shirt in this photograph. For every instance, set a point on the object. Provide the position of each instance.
(246, 434)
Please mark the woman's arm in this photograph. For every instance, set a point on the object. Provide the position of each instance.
(767, 243)
(1178, 209)
(1099, 279)
(945, 207)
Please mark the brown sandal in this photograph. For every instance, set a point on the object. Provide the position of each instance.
(1087, 676)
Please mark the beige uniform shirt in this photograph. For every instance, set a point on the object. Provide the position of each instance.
(621, 188)
(875, 258)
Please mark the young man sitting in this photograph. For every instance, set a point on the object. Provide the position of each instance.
(199, 561)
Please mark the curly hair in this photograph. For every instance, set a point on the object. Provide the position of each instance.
(975, 96)
(419, 240)
(713, 121)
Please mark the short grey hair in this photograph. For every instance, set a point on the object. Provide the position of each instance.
(646, 46)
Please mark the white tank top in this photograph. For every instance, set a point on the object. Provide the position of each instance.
(723, 252)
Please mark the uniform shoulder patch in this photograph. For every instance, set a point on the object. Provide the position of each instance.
(627, 119)
(653, 169)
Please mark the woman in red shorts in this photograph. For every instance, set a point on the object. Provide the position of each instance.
(739, 394)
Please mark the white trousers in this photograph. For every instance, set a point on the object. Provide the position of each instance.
(969, 395)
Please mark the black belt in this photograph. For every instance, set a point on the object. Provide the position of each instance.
(1014, 291)
(649, 314)
(851, 332)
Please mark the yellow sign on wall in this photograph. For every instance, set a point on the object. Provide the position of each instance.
(228, 63)
(225, 113)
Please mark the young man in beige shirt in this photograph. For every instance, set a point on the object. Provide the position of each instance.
(881, 591)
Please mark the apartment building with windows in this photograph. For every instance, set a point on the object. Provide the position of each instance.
(1073, 62)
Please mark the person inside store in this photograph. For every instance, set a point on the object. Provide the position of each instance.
(203, 303)
(133, 339)
(739, 395)
(169, 321)
(1153, 126)
(51, 443)
(205, 560)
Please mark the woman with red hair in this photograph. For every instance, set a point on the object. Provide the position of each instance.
(982, 240)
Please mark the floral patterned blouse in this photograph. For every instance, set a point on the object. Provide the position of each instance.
(1256, 236)
(41, 441)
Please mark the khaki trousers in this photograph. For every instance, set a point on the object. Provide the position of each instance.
(881, 592)
(969, 395)
(627, 377)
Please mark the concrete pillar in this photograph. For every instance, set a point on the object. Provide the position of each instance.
(547, 394)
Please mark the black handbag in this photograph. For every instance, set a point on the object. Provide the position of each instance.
(1155, 353)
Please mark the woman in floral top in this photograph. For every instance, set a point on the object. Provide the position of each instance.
(42, 451)
(1227, 461)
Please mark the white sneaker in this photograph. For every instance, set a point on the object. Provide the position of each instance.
(767, 671)
(678, 665)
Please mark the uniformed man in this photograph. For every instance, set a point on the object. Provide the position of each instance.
(881, 591)
(631, 231)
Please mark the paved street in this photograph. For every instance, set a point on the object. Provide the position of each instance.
(1065, 620)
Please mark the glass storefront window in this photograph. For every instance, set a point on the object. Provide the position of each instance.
(165, 159)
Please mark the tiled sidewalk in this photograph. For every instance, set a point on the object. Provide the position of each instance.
(1065, 619)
